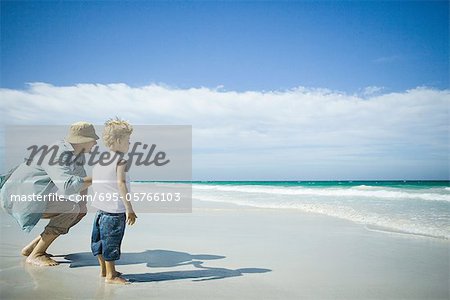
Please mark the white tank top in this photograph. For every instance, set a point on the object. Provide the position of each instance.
(105, 188)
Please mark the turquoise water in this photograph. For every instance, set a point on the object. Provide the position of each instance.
(408, 207)
(399, 184)
(344, 183)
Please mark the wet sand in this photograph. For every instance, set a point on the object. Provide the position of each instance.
(232, 252)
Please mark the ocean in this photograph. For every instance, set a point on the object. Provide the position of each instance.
(408, 207)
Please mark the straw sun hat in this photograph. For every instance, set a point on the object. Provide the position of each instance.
(81, 132)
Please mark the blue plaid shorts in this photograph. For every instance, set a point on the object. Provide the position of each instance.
(107, 234)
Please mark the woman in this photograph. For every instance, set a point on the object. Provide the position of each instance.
(29, 191)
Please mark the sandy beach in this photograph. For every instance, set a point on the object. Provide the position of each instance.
(286, 150)
(234, 252)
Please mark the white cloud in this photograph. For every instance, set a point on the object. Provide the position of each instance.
(299, 131)
(371, 90)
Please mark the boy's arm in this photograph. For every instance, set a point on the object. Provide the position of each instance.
(82, 203)
(87, 182)
(123, 190)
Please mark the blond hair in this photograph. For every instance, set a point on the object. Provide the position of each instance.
(115, 129)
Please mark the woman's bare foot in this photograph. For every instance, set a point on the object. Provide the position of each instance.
(117, 280)
(30, 247)
(103, 273)
(27, 251)
(41, 260)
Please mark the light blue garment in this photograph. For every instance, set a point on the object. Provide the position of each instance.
(41, 179)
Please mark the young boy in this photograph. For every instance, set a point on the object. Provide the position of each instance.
(111, 184)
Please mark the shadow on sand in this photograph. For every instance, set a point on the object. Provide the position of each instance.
(165, 259)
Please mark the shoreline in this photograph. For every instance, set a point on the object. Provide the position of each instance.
(370, 227)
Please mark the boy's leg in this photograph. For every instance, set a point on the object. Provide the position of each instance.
(112, 230)
(101, 262)
(96, 243)
(111, 274)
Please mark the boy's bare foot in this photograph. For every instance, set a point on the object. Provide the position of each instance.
(41, 260)
(103, 274)
(117, 280)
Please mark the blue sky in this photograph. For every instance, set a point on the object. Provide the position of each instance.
(276, 45)
(280, 90)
